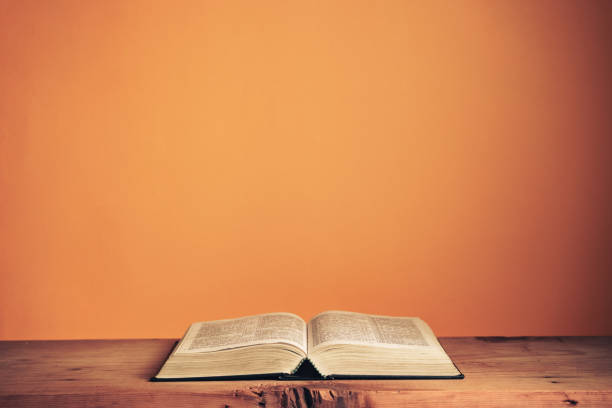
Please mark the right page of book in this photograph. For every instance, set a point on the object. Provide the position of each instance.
(355, 344)
(337, 327)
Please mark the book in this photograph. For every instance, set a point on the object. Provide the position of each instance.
(333, 344)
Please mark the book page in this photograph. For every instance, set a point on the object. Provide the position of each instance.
(245, 331)
(337, 327)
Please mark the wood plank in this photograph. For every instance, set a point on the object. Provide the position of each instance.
(501, 372)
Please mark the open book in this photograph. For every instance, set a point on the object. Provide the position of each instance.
(282, 345)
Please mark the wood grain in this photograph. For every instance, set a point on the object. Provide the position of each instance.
(500, 372)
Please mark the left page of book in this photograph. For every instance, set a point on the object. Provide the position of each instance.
(245, 331)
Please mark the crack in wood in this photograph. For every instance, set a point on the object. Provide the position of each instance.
(569, 401)
(310, 397)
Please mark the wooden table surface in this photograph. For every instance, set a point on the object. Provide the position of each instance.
(499, 372)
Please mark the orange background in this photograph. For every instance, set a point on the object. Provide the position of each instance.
(169, 162)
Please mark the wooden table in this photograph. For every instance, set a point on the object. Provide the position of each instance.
(499, 372)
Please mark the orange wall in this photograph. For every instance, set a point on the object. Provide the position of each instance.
(163, 163)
